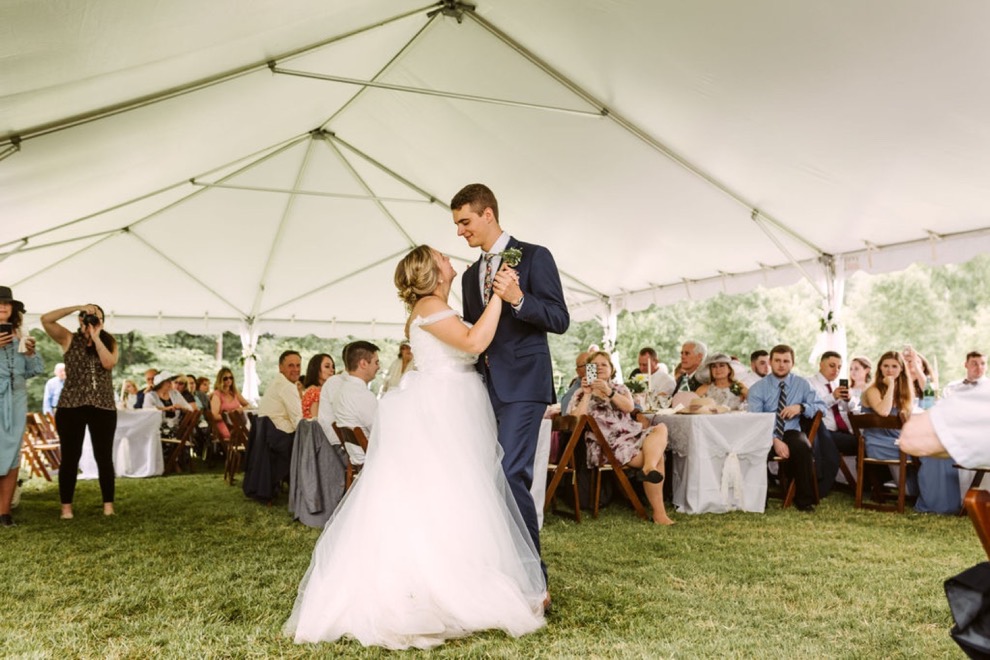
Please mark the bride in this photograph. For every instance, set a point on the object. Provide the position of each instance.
(429, 544)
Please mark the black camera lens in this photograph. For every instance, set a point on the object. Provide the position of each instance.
(91, 319)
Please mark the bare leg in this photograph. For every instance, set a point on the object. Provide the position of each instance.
(654, 493)
(7, 485)
(650, 459)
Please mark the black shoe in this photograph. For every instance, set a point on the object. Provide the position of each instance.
(652, 477)
(7, 521)
(805, 508)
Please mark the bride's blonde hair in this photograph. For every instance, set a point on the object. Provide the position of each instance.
(417, 275)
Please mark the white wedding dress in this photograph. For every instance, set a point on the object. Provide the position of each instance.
(428, 545)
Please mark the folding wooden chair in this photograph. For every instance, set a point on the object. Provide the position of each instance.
(586, 423)
(182, 441)
(903, 462)
(30, 453)
(355, 436)
(788, 487)
(45, 439)
(564, 426)
(977, 505)
(235, 446)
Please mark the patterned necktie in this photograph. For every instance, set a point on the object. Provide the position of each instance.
(778, 425)
(685, 384)
(840, 424)
(486, 295)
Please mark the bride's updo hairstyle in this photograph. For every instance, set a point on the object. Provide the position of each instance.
(417, 275)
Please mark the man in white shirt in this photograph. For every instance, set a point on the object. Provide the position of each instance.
(660, 380)
(976, 373)
(346, 399)
(835, 437)
(759, 367)
(957, 426)
(281, 401)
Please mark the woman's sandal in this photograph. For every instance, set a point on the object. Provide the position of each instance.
(652, 477)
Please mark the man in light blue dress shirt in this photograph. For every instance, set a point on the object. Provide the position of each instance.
(53, 389)
(790, 397)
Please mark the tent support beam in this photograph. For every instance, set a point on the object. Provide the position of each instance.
(12, 148)
(20, 246)
(780, 246)
(203, 83)
(312, 193)
(626, 124)
(431, 92)
(63, 259)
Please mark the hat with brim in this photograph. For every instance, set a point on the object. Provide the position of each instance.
(161, 377)
(7, 296)
(703, 374)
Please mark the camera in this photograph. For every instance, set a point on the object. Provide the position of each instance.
(91, 319)
(590, 373)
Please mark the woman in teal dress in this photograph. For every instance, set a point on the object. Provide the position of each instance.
(15, 368)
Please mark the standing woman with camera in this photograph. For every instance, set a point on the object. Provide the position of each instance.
(87, 399)
(15, 367)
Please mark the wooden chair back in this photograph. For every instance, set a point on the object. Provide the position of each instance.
(43, 454)
(355, 436)
(181, 441)
(564, 426)
(977, 505)
(236, 444)
(903, 462)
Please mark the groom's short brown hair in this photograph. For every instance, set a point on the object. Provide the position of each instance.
(478, 195)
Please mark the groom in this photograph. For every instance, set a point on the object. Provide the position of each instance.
(516, 366)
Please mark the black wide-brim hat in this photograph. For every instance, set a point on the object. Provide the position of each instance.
(6, 295)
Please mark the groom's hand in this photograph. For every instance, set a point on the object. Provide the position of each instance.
(506, 285)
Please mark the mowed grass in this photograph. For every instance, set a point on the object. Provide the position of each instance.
(190, 568)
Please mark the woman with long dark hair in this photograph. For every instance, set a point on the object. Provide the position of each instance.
(86, 400)
(321, 367)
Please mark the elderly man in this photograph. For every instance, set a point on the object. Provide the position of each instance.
(660, 380)
(53, 389)
(281, 402)
(976, 374)
(579, 367)
(790, 397)
(835, 438)
(692, 355)
(149, 380)
(346, 399)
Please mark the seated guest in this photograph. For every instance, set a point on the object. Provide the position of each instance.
(346, 399)
(225, 398)
(609, 404)
(722, 386)
(182, 385)
(892, 393)
(860, 375)
(692, 355)
(128, 396)
(53, 388)
(759, 367)
(281, 402)
(976, 373)
(320, 368)
(956, 426)
(579, 366)
(790, 397)
(661, 381)
(165, 398)
(149, 379)
(399, 368)
(919, 371)
(835, 438)
(202, 393)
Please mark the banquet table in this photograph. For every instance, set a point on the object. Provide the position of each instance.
(137, 446)
(719, 461)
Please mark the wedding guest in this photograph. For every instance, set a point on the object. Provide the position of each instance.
(661, 381)
(15, 369)
(722, 386)
(281, 402)
(202, 393)
(976, 370)
(580, 364)
(790, 397)
(860, 374)
(892, 393)
(692, 355)
(226, 398)
(346, 399)
(128, 396)
(86, 401)
(609, 404)
(919, 371)
(185, 385)
(320, 368)
(759, 367)
(398, 368)
(835, 438)
(956, 426)
(149, 379)
(166, 398)
(53, 388)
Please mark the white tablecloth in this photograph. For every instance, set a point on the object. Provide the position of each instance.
(540, 462)
(719, 461)
(137, 446)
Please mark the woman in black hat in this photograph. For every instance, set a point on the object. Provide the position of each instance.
(15, 367)
(86, 400)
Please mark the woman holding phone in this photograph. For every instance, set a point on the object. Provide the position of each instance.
(87, 399)
(15, 368)
(610, 405)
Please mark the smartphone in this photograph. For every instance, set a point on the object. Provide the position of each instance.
(843, 382)
(590, 373)
(6, 328)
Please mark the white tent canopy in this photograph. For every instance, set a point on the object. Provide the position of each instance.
(225, 165)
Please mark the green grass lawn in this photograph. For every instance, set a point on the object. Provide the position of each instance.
(190, 568)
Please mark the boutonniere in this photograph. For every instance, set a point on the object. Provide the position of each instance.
(736, 388)
(511, 256)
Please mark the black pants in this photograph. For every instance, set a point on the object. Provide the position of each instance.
(71, 424)
(799, 467)
(830, 447)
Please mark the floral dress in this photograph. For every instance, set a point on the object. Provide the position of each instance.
(623, 433)
(310, 396)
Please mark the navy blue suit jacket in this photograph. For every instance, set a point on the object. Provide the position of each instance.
(518, 359)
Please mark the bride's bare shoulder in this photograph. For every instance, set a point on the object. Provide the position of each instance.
(428, 305)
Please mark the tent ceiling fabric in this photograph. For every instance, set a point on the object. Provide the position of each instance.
(247, 193)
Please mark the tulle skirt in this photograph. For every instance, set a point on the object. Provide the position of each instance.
(428, 545)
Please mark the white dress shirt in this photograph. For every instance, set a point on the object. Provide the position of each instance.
(961, 422)
(346, 400)
(662, 382)
(957, 386)
(497, 248)
(821, 386)
(282, 404)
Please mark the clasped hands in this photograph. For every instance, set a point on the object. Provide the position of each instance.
(506, 285)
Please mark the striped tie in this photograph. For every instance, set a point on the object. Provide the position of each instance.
(487, 293)
(778, 425)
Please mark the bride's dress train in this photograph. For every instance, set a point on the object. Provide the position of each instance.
(428, 545)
